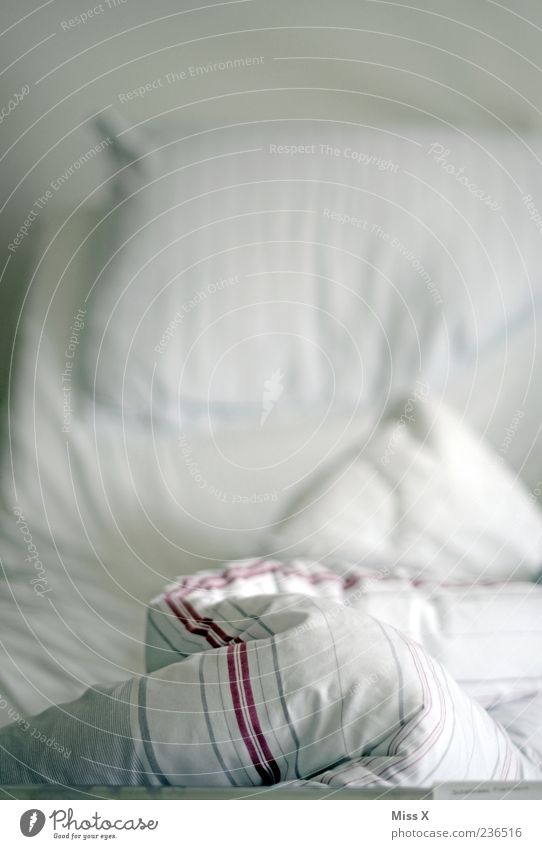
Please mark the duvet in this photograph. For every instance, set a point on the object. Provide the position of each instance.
(274, 671)
(389, 634)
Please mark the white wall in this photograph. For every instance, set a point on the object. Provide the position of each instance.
(464, 62)
(475, 64)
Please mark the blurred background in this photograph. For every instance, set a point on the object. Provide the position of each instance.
(472, 67)
(235, 236)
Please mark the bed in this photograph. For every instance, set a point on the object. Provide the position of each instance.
(297, 413)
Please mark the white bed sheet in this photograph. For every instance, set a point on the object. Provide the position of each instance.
(112, 516)
(46, 661)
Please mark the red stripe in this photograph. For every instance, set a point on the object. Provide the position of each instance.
(228, 576)
(205, 624)
(246, 572)
(190, 627)
(254, 720)
(429, 740)
(236, 699)
(211, 624)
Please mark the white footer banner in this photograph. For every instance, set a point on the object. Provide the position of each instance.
(258, 823)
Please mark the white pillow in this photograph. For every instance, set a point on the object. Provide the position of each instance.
(425, 498)
(262, 270)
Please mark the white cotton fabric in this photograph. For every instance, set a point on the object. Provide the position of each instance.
(256, 689)
(424, 498)
(338, 261)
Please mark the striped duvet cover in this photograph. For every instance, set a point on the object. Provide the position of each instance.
(271, 671)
